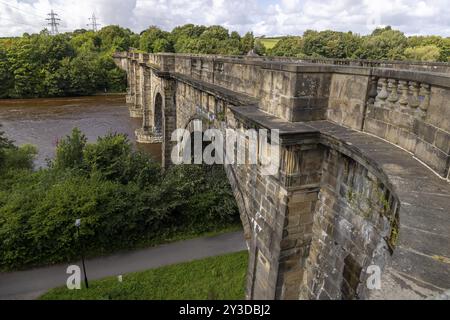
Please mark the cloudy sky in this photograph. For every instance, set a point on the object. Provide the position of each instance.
(263, 17)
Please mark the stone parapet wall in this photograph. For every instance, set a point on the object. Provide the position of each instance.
(401, 106)
(435, 67)
(343, 200)
(412, 115)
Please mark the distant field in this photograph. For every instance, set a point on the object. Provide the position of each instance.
(269, 43)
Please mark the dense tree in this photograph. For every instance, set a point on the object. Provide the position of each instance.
(6, 79)
(330, 44)
(115, 38)
(155, 40)
(443, 44)
(69, 153)
(423, 53)
(5, 143)
(247, 42)
(259, 47)
(288, 46)
(383, 44)
(78, 63)
(162, 45)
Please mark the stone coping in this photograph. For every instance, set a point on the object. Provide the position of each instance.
(265, 120)
(220, 92)
(296, 59)
(429, 77)
(420, 262)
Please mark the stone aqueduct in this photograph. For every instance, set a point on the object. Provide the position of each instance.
(364, 173)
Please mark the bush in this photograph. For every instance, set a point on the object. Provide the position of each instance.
(120, 194)
(69, 152)
(20, 158)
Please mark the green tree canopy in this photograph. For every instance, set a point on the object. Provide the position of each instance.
(383, 44)
(423, 53)
(289, 47)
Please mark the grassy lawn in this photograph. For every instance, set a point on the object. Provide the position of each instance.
(269, 43)
(218, 278)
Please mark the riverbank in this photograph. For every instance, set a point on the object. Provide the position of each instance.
(43, 122)
(118, 96)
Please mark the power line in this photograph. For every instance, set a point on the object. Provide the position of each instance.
(93, 23)
(22, 23)
(14, 7)
(53, 22)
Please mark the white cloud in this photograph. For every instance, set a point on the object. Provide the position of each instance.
(270, 17)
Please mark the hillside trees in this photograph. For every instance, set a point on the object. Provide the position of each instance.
(69, 64)
(80, 62)
(382, 44)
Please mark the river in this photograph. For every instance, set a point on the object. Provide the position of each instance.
(42, 122)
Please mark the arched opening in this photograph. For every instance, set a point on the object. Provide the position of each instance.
(158, 114)
(354, 226)
(223, 172)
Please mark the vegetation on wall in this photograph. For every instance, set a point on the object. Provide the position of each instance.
(121, 195)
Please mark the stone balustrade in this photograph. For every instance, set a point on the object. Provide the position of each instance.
(406, 109)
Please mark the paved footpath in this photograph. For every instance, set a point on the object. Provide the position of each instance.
(30, 284)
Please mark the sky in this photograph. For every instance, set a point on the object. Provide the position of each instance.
(263, 17)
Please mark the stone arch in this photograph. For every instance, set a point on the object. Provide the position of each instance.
(238, 192)
(158, 114)
(355, 224)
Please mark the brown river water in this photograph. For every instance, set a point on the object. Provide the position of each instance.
(42, 122)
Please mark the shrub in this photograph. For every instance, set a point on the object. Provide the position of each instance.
(69, 152)
(120, 194)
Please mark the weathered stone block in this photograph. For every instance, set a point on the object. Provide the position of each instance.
(348, 95)
(432, 156)
(407, 140)
(439, 106)
(392, 134)
(425, 131)
(375, 127)
(442, 141)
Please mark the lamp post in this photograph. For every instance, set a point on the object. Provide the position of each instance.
(77, 225)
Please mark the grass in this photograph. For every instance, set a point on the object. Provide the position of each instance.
(215, 278)
(269, 43)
